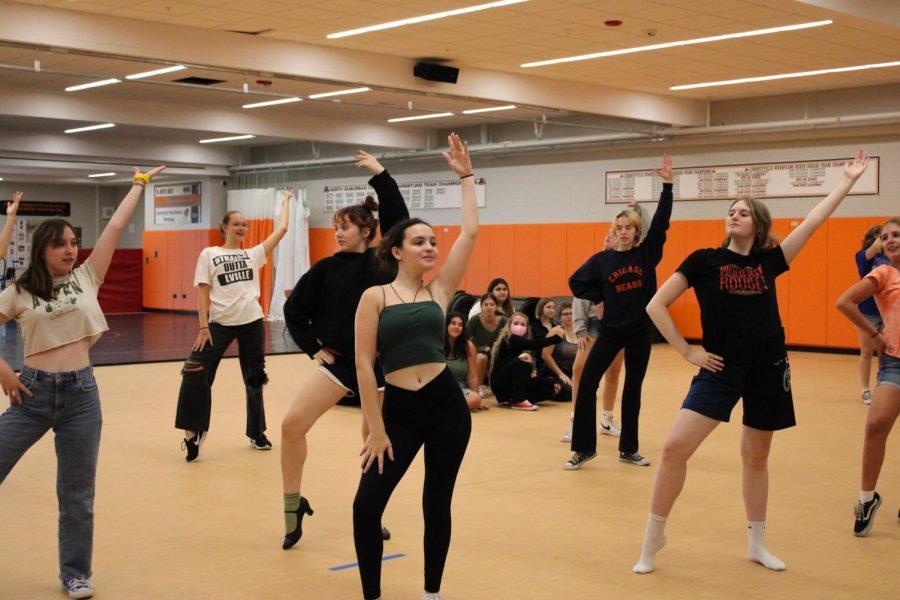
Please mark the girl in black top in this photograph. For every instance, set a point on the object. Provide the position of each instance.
(623, 279)
(319, 316)
(423, 404)
(743, 355)
(513, 376)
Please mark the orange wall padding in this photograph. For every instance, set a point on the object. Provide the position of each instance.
(537, 260)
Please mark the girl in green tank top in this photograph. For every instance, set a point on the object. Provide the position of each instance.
(460, 354)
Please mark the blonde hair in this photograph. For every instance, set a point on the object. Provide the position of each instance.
(633, 219)
(505, 333)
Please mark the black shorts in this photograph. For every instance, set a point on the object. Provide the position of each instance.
(766, 390)
(343, 373)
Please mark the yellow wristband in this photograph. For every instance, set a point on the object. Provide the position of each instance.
(141, 178)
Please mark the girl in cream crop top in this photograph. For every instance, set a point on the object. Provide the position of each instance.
(73, 314)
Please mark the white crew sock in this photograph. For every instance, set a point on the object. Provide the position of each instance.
(866, 496)
(654, 540)
(756, 547)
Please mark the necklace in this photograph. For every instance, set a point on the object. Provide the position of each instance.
(421, 283)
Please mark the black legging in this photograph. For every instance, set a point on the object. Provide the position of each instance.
(437, 416)
(512, 383)
(637, 355)
(199, 372)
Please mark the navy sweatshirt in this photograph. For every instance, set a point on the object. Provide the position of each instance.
(626, 281)
(321, 310)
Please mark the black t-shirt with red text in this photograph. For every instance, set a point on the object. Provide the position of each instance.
(738, 303)
(625, 281)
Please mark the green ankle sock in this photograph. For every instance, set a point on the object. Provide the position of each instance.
(291, 503)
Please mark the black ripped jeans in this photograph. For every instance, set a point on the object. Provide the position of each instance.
(199, 372)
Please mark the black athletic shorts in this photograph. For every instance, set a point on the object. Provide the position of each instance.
(766, 390)
(343, 373)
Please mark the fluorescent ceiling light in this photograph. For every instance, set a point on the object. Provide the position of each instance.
(786, 76)
(273, 102)
(93, 84)
(431, 116)
(227, 139)
(1, 179)
(338, 93)
(423, 18)
(475, 111)
(156, 72)
(91, 128)
(102, 175)
(691, 42)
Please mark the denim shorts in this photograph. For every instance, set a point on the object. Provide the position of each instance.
(765, 389)
(888, 371)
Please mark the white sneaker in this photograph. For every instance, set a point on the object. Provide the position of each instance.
(78, 588)
(609, 427)
(567, 436)
(484, 391)
(866, 397)
(432, 596)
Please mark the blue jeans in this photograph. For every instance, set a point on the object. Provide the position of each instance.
(69, 403)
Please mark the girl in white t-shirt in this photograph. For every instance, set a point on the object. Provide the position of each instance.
(55, 303)
(227, 280)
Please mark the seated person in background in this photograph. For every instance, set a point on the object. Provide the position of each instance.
(482, 330)
(500, 290)
(460, 354)
(544, 313)
(560, 357)
(514, 378)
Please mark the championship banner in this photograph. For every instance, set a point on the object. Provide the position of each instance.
(176, 204)
(419, 195)
(730, 182)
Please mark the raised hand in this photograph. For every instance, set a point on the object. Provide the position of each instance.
(149, 174)
(458, 158)
(666, 171)
(13, 207)
(286, 195)
(364, 159)
(855, 168)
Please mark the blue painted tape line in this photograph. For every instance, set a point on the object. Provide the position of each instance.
(354, 565)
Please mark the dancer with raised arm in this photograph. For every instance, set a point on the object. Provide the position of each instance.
(319, 316)
(227, 280)
(883, 284)
(55, 303)
(624, 279)
(423, 404)
(743, 356)
(6, 234)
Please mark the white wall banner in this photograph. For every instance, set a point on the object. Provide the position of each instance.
(729, 182)
(419, 195)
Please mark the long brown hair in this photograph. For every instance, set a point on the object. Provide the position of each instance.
(37, 279)
(762, 221)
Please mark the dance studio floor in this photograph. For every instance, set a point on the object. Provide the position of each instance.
(523, 527)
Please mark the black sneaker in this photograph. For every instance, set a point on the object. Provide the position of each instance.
(261, 443)
(865, 514)
(192, 445)
(634, 458)
(578, 459)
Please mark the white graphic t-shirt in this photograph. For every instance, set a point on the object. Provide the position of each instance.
(72, 314)
(233, 280)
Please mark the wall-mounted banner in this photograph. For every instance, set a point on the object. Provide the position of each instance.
(176, 204)
(729, 182)
(41, 209)
(419, 195)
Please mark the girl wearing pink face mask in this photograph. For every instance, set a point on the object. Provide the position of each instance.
(513, 377)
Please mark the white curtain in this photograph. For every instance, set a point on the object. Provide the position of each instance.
(291, 256)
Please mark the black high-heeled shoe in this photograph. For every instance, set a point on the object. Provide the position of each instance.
(294, 536)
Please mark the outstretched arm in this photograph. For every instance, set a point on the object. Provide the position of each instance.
(106, 244)
(448, 278)
(6, 235)
(270, 242)
(794, 242)
(660, 222)
(658, 309)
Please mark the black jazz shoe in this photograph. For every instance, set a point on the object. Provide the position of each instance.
(294, 536)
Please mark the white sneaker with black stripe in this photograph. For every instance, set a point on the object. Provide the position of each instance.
(609, 427)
